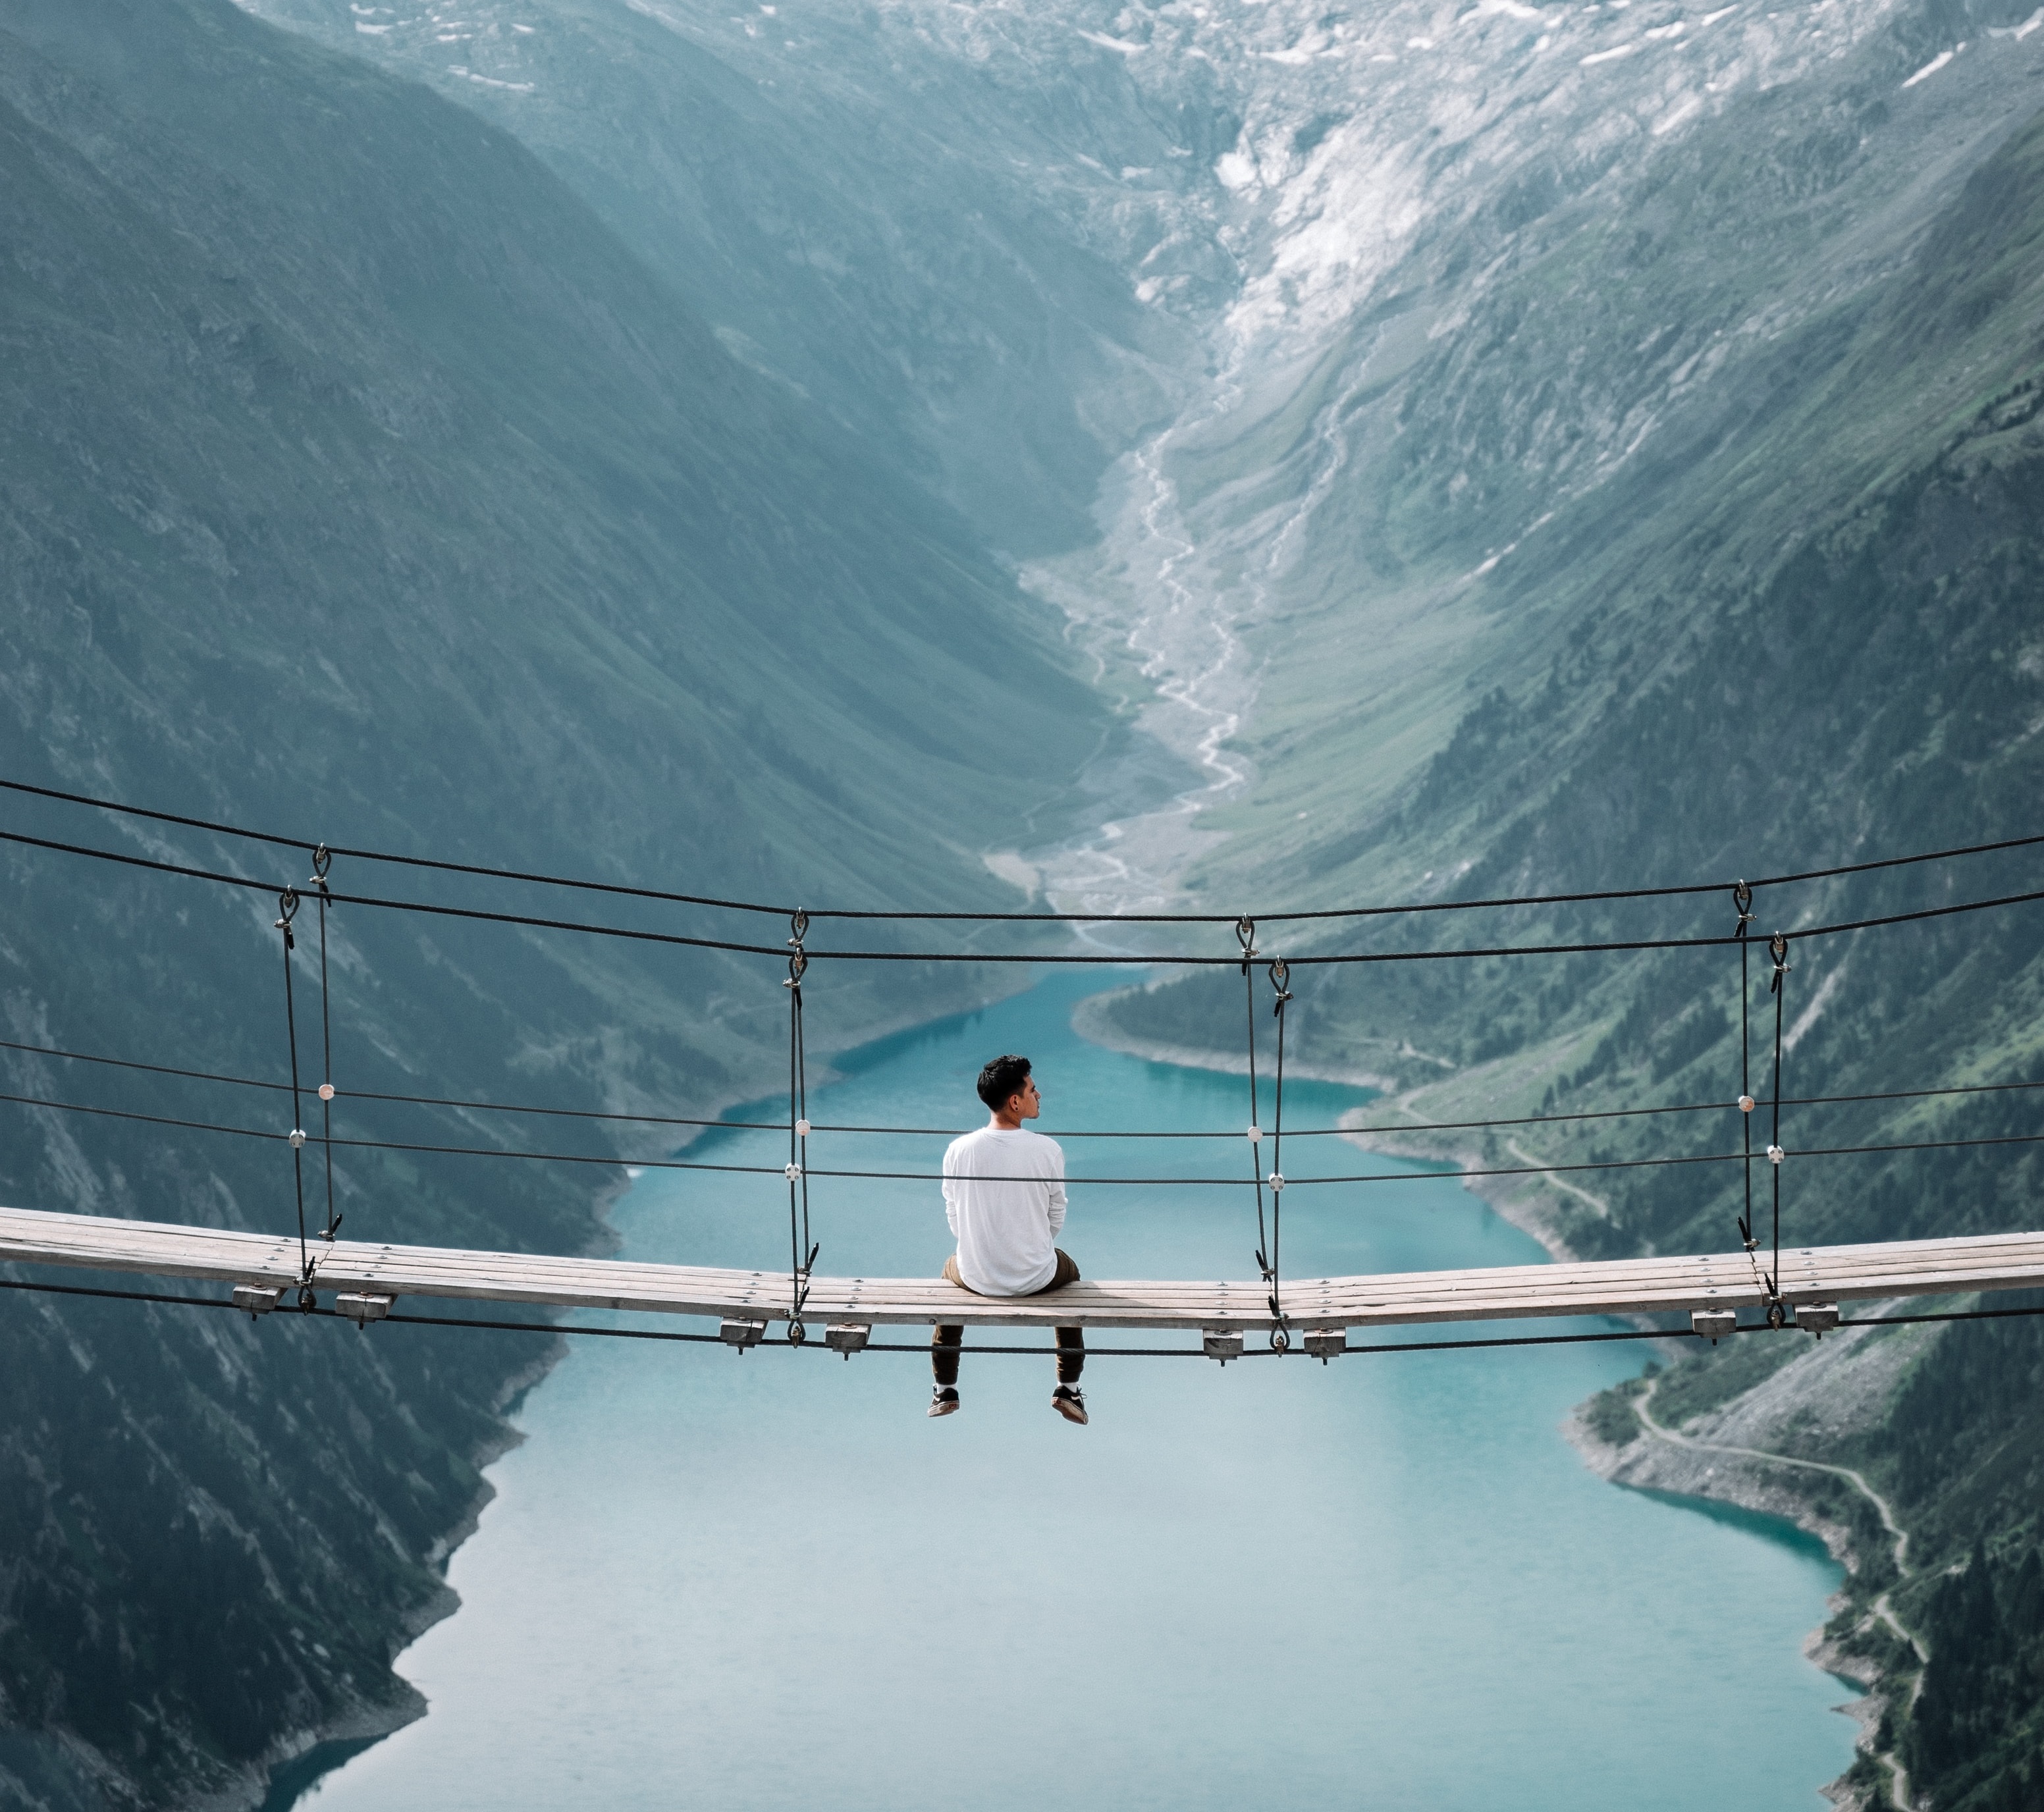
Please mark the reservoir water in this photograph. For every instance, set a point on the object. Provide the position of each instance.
(767, 1580)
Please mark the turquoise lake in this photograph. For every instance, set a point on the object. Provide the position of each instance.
(768, 1580)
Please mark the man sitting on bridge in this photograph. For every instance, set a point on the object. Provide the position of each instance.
(1004, 1198)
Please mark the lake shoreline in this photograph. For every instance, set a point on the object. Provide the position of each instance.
(1514, 1200)
(1649, 1464)
(1524, 1203)
(292, 1768)
(613, 1418)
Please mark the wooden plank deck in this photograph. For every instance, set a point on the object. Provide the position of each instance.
(1719, 1280)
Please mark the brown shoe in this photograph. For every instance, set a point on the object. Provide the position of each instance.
(1069, 1401)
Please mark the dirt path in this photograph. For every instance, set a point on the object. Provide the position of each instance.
(1883, 1608)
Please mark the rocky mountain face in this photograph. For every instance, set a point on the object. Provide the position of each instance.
(907, 233)
(1483, 448)
(358, 483)
(1385, 348)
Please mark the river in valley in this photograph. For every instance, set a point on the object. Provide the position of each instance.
(768, 1580)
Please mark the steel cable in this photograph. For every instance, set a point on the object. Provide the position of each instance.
(884, 914)
(953, 1132)
(936, 1176)
(681, 1339)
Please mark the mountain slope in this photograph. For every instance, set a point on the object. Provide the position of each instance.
(1818, 643)
(930, 253)
(356, 482)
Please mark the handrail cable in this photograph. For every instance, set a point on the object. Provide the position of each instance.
(953, 1132)
(1742, 900)
(1245, 935)
(625, 889)
(802, 1250)
(321, 861)
(936, 1176)
(1280, 1336)
(1777, 947)
(287, 905)
(1051, 958)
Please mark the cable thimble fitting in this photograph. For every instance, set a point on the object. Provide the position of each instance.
(1280, 974)
(1742, 897)
(1245, 935)
(322, 861)
(798, 958)
(287, 904)
(1777, 947)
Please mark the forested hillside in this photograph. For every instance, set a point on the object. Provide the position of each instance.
(1823, 647)
(357, 483)
(1497, 450)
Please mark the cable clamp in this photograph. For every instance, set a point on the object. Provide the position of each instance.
(322, 861)
(1742, 897)
(326, 1091)
(1255, 1135)
(1276, 1180)
(793, 1172)
(1746, 1104)
(798, 958)
(1245, 935)
(1775, 1154)
(287, 904)
(297, 1137)
(801, 1129)
(1777, 947)
(1280, 974)
(1221, 1343)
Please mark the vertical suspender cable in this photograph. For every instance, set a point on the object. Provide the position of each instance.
(1777, 947)
(1742, 898)
(1245, 933)
(322, 860)
(802, 1252)
(1280, 1338)
(287, 904)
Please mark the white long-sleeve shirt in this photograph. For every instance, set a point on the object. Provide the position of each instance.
(1004, 1198)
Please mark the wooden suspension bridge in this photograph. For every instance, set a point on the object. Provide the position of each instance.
(366, 1279)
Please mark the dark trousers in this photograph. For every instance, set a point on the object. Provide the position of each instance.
(951, 1335)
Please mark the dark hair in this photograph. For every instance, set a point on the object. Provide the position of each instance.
(1002, 1078)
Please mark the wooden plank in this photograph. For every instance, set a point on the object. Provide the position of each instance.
(1659, 1285)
